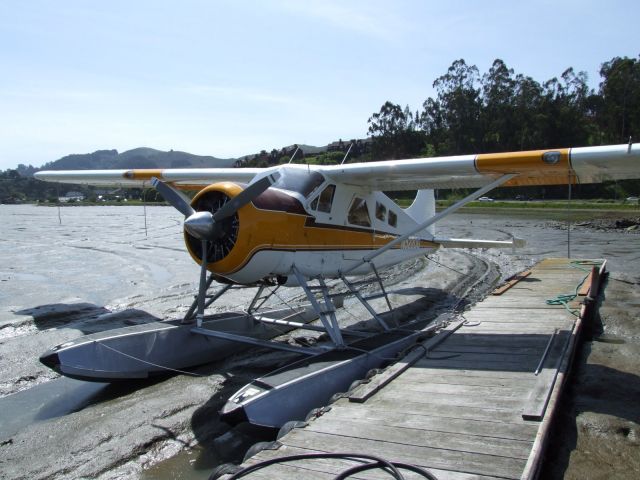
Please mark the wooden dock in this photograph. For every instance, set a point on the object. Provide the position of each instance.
(475, 401)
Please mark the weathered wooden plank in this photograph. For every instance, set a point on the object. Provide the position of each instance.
(517, 431)
(520, 315)
(530, 292)
(423, 375)
(468, 337)
(531, 320)
(484, 356)
(446, 409)
(292, 471)
(467, 442)
(586, 285)
(505, 349)
(427, 372)
(366, 390)
(538, 399)
(468, 390)
(421, 398)
(514, 329)
(471, 365)
(511, 282)
(528, 302)
(428, 457)
(481, 359)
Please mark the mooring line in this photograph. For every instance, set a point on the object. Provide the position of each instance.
(150, 363)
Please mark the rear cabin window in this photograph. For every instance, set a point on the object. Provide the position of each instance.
(393, 219)
(381, 212)
(359, 213)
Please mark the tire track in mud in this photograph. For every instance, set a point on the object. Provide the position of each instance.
(482, 278)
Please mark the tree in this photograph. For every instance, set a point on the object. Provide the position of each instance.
(565, 113)
(498, 112)
(618, 108)
(527, 113)
(394, 134)
(454, 116)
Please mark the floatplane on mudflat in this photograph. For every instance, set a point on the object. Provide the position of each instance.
(300, 226)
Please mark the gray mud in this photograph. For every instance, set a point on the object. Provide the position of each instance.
(98, 270)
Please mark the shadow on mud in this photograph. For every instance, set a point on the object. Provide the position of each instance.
(59, 397)
(86, 317)
(86, 394)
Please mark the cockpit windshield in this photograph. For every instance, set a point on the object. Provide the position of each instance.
(299, 180)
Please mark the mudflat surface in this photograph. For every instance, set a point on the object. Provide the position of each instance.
(99, 270)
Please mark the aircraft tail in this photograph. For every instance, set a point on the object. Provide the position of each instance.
(423, 208)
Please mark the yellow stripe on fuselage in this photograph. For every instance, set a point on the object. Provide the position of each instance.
(275, 230)
(531, 167)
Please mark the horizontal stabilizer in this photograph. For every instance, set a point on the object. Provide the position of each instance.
(475, 243)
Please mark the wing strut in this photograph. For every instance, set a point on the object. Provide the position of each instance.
(477, 194)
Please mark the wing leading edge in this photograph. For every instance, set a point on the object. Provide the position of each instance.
(537, 167)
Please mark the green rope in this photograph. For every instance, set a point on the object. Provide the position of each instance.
(564, 298)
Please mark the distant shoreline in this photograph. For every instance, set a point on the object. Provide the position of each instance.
(497, 205)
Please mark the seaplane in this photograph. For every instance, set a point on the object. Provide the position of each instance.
(300, 225)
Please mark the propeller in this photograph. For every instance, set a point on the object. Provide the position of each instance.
(205, 225)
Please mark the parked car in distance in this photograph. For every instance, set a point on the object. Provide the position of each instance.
(485, 199)
(634, 200)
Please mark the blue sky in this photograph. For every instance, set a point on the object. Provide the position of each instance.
(228, 78)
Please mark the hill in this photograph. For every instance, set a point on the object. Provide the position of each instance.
(136, 158)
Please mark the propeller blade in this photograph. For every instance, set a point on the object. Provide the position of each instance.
(244, 197)
(173, 196)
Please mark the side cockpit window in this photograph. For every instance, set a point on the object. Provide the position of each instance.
(324, 201)
(359, 213)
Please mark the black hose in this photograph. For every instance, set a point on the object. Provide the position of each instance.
(370, 466)
(373, 463)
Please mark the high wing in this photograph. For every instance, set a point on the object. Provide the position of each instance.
(537, 167)
(135, 178)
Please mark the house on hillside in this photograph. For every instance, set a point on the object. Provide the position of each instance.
(72, 197)
(360, 146)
